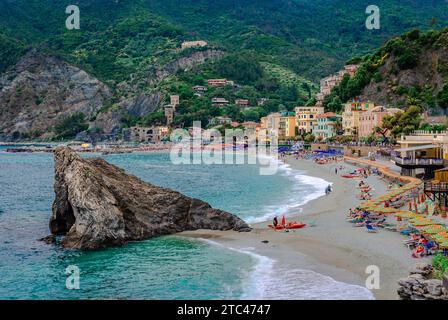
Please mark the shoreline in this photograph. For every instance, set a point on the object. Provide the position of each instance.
(333, 247)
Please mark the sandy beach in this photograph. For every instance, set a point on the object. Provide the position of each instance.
(333, 246)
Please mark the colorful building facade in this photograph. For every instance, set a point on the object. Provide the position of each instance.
(351, 115)
(326, 126)
(306, 118)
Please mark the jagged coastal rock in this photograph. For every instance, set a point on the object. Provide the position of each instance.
(420, 286)
(99, 205)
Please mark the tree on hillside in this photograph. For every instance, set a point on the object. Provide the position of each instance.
(401, 123)
(442, 98)
(243, 68)
(155, 118)
(70, 126)
(335, 105)
(389, 122)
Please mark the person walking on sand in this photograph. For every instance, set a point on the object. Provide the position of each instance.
(336, 170)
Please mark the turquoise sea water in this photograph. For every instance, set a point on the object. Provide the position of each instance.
(164, 268)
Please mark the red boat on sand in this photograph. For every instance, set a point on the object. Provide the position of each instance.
(290, 225)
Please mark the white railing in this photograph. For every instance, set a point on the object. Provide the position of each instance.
(418, 161)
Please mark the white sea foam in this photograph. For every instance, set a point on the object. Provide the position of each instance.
(268, 281)
(304, 189)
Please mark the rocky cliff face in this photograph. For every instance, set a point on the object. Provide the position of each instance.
(41, 90)
(427, 73)
(187, 62)
(99, 205)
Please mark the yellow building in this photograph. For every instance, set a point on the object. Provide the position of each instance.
(306, 118)
(351, 115)
(287, 127)
(281, 124)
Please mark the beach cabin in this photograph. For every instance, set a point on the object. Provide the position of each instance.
(427, 157)
(437, 189)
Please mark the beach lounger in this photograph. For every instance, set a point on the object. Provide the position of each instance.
(371, 228)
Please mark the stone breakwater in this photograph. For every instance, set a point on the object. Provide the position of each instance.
(420, 286)
(99, 205)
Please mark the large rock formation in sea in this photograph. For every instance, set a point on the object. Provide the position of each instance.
(99, 205)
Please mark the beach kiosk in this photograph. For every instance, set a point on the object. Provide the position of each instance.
(428, 157)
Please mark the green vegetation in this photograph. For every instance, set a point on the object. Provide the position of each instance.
(440, 264)
(311, 38)
(442, 97)
(244, 69)
(70, 126)
(434, 128)
(10, 51)
(401, 123)
(404, 51)
(274, 49)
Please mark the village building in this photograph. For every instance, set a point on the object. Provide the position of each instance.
(218, 82)
(219, 102)
(262, 101)
(306, 118)
(351, 115)
(278, 124)
(169, 114)
(371, 119)
(327, 84)
(287, 129)
(242, 102)
(174, 101)
(199, 90)
(326, 125)
(153, 134)
(217, 121)
(192, 44)
(425, 150)
(351, 69)
(271, 123)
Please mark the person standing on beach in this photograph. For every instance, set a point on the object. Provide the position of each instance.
(275, 222)
(336, 170)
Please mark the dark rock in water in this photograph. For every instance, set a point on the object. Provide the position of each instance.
(99, 205)
(49, 239)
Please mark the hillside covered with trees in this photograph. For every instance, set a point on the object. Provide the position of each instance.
(276, 49)
(411, 69)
